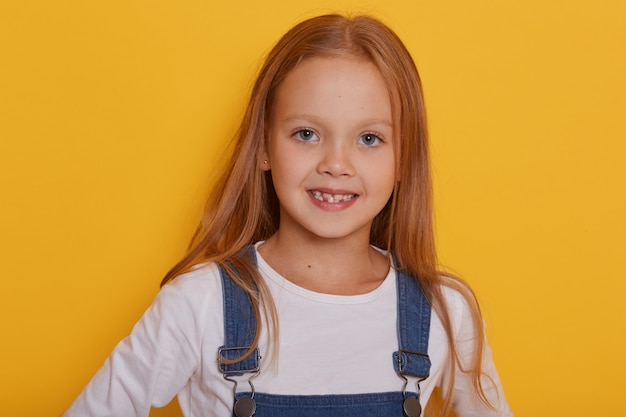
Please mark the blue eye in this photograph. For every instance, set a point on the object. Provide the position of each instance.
(369, 139)
(306, 135)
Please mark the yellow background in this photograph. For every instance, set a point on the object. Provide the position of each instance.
(113, 114)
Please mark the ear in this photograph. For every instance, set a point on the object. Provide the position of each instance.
(263, 161)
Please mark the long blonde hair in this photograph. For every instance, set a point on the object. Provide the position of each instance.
(243, 208)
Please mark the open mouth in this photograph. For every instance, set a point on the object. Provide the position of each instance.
(331, 198)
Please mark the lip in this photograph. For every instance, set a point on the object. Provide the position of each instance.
(332, 206)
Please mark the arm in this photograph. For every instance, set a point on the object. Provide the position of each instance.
(153, 363)
(465, 402)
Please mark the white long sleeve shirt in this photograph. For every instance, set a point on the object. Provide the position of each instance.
(329, 344)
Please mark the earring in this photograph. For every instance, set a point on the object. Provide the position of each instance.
(265, 161)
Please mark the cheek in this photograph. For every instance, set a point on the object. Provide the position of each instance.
(288, 160)
(286, 174)
(386, 172)
(389, 186)
(381, 184)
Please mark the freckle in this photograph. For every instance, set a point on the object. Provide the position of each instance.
(308, 266)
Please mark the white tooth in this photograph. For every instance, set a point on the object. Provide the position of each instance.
(331, 198)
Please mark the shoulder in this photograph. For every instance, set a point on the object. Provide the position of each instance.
(456, 299)
(193, 292)
(201, 278)
(461, 305)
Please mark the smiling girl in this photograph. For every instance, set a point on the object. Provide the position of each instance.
(311, 286)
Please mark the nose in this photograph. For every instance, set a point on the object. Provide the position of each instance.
(336, 160)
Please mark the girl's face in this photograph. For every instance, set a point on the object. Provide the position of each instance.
(330, 147)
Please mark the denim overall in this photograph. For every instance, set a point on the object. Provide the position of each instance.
(411, 359)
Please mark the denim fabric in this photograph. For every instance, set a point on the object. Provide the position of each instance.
(413, 328)
(361, 405)
(239, 326)
(414, 312)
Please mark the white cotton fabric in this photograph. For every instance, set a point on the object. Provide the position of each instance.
(329, 344)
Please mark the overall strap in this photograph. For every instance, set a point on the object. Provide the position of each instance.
(239, 326)
(414, 312)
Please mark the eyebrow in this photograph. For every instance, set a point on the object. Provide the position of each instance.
(316, 119)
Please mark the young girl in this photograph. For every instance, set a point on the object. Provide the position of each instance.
(311, 286)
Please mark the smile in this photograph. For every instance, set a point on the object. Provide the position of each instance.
(331, 198)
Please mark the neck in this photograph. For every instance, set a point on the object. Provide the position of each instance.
(333, 266)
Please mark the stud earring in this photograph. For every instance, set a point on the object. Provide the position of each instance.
(265, 161)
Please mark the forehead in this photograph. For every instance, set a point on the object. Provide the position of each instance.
(334, 87)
